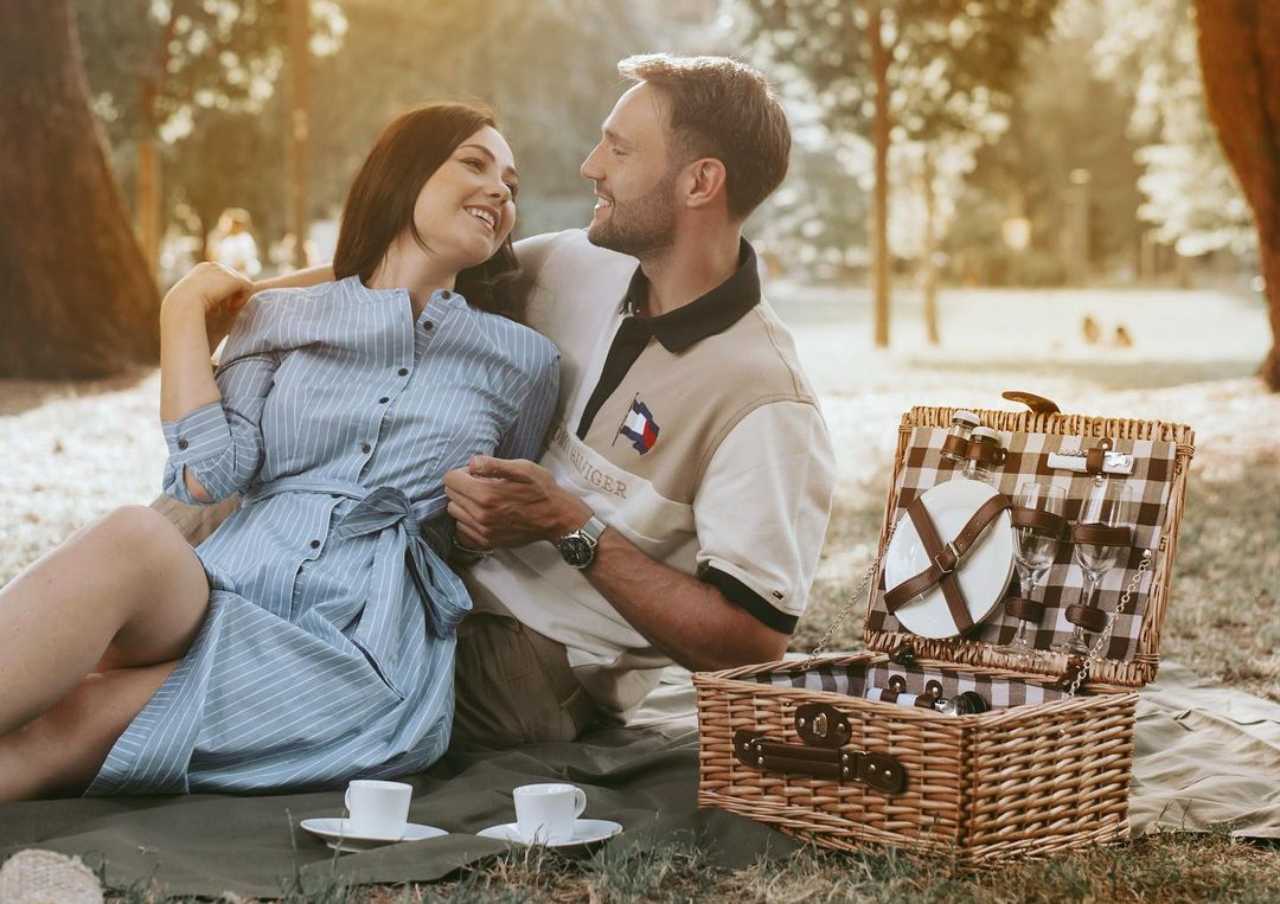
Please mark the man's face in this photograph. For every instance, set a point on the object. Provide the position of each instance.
(634, 172)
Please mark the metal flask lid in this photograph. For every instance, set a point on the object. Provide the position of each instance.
(966, 417)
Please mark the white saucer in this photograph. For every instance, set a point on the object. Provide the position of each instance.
(984, 576)
(335, 830)
(585, 831)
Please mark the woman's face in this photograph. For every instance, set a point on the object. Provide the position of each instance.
(467, 208)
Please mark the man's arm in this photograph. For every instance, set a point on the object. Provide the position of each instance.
(511, 503)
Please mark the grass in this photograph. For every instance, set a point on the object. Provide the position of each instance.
(1171, 868)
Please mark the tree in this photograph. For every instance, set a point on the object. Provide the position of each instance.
(901, 70)
(159, 63)
(76, 298)
(1240, 62)
(1191, 194)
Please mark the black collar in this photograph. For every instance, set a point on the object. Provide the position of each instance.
(705, 316)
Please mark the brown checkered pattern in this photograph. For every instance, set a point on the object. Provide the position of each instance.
(854, 679)
(1028, 457)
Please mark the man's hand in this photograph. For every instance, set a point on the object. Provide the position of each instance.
(497, 502)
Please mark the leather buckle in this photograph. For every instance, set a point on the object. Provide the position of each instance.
(954, 559)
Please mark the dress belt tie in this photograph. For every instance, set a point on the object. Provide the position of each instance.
(388, 508)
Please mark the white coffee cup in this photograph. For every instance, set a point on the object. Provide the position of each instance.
(377, 809)
(547, 812)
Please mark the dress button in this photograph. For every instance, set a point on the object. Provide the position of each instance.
(182, 444)
(315, 544)
(428, 325)
(365, 447)
(384, 400)
(446, 294)
(404, 371)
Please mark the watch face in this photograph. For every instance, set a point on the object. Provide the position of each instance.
(576, 551)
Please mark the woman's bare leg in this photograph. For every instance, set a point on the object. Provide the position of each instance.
(129, 581)
(62, 750)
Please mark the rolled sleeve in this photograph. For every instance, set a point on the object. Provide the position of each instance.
(762, 511)
(196, 441)
(221, 442)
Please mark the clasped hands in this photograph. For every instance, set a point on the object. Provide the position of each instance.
(499, 502)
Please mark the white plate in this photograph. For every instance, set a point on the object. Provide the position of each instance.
(984, 574)
(336, 830)
(585, 831)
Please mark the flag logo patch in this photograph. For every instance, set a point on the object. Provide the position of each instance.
(640, 427)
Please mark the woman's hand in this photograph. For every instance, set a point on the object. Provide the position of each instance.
(218, 292)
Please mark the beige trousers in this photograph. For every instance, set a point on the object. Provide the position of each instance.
(514, 686)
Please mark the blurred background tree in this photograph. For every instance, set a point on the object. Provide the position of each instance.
(157, 66)
(921, 71)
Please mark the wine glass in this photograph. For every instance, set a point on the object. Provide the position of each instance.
(1037, 532)
(1103, 531)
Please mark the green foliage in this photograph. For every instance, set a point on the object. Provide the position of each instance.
(1192, 195)
(1063, 118)
(953, 62)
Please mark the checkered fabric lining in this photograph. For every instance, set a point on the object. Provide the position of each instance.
(853, 680)
(1028, 457)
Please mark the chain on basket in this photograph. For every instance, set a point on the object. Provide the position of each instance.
(859, 593)
(1104, 638)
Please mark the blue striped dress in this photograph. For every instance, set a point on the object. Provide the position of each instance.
(327, 650)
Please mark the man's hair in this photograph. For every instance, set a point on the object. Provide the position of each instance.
(722, 108)
(381, 201)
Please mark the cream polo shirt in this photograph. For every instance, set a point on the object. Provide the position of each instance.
(695, 435)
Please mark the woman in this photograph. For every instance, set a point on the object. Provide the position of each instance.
(309, 639)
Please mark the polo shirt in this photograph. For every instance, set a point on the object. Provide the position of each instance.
(694, 434)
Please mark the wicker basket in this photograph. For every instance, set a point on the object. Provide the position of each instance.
(794, 743)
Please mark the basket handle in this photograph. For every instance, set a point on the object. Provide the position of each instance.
(1037, 404)
(879, 771)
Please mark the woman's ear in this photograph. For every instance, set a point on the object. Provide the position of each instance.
(706, 182)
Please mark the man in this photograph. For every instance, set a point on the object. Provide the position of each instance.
(680, 508)
(679, 511)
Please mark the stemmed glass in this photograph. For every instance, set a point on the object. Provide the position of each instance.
(1037, 533)
(1103, 531)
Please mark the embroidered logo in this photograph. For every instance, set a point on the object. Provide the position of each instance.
(639, 426)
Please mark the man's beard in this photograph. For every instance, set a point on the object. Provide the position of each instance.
(642, 226)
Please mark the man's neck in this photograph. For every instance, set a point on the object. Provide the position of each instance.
(414, 270)
(689, 269)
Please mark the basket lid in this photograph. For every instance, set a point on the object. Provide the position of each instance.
(1150, 456)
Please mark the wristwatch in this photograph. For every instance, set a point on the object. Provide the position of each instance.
(579, 547)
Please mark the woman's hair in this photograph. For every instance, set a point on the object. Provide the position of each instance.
(380, 203)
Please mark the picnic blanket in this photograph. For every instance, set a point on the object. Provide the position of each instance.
(1208, 758)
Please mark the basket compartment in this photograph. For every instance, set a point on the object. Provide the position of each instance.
(1027, 778)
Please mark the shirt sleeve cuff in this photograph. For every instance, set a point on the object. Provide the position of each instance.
(198, 437)
(741, 595)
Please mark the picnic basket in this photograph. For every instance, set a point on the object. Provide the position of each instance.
(795, 743)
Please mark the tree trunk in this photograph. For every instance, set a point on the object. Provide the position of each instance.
(880, 59)
(1239, 47)
(76, 298)
(930, 286)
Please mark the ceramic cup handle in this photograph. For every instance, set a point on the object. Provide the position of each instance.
(579, 802)
(346, 800)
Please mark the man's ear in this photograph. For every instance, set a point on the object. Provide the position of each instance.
(706, 182)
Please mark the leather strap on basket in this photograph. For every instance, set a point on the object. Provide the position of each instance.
(1047, 522)
(945, 559)
(879, 771)
(954, 445)
(1090, 618)
(1023, 608)
(1101, 535)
